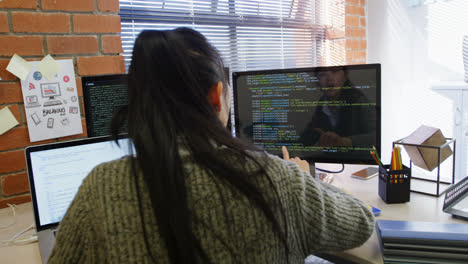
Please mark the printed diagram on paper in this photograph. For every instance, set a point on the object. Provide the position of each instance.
(51, 103)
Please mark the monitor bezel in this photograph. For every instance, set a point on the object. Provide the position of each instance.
(349, 160)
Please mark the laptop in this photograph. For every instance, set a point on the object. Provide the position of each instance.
(55, 173)
(31, 101)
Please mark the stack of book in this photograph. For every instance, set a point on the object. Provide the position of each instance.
(423, 242)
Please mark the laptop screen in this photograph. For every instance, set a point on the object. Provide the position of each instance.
(57, 170)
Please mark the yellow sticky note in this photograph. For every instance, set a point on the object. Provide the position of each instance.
(7, 120)
(48, 67)
(19, 67)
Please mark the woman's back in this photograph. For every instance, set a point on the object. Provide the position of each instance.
(230, 228)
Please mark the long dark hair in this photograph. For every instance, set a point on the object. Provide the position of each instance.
(169, 79)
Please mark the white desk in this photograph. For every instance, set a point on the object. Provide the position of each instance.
(420, 208)
(28, 253)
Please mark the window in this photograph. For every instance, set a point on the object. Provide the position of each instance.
(250, 34)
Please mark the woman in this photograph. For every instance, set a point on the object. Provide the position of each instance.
(192, 193)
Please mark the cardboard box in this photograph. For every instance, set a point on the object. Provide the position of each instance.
(425, 157)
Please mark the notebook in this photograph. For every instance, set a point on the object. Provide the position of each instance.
(55, 173)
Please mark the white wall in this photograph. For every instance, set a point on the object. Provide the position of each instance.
(416, 47)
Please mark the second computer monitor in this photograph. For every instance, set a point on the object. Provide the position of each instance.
(102, 96)
(322, 114)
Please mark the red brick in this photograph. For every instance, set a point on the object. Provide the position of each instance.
(108, 5)
(96, 24)
(352, 21)
(40, 22)
(349, 56)
(23, 4)
(79, 86)
(359, 55)
(15, 184)
(352, 1)
(359, 32)
(18, 137)
(363, 44)
(362, 22)
(100, 65)
(83, 111)
(67, 5)
(363, 2)
(4, 22)
(15, 138)
(349, 32)
(23, 46)
(352, 44)
(12, 161)
(19, 199)
(354, 10)
(10, 93)
(72, 44)
(4, 74)
(82, 135)
(111, 44)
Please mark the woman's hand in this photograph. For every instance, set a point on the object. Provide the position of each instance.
(303, 165)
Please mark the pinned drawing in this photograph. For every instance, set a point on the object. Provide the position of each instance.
(51, 107)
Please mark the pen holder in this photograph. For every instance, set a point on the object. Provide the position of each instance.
(394, 185)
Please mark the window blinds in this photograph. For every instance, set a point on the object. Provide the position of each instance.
(250, 34)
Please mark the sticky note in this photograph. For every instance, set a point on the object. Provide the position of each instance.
(48, 67)
(19, 67)
(7, 120)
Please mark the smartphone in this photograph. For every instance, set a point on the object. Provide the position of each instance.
(50, 123)
(35, 118)
(366, 173)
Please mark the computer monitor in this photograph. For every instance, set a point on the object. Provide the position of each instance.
(50, 90)
(102, 96)
(321, 114)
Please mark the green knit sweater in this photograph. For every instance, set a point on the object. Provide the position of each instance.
(103, 223)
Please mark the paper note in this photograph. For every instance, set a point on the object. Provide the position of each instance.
(7, 120)
(48, 67)
(19, 67)
(52, 107)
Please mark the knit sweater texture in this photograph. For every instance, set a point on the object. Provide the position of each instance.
(103, 224)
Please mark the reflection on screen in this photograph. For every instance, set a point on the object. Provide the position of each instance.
(318, 113)
(58, 174)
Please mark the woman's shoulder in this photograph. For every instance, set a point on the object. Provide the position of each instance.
(110, 171)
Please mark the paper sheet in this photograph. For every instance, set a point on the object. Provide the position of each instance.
(7, 120)
(19, 67)
(52, 107)
(48, 67)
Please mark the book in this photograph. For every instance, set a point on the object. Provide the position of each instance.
(406, 246)
(425, 254)
(414, 231)
(419, 260)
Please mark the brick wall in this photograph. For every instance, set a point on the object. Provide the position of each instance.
(346, 34)
(86, 31)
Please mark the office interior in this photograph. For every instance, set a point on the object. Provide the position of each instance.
(418, 43)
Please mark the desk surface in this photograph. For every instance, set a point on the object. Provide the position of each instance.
(420, 208)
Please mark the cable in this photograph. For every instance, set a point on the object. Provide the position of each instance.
(327, 171)
(15, 240)
(13, 208)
